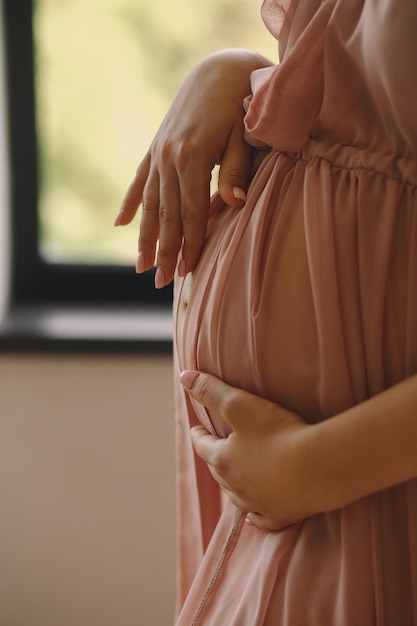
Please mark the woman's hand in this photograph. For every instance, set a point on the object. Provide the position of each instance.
(281, 470)
(259, 465)
(203, 127)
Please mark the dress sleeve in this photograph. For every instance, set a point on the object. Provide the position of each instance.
(286, 99)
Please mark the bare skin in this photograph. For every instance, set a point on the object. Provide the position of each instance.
(203, 127)
(281, 470)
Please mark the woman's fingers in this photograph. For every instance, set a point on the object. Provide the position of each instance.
(195, 202)
(213, 450)
(236, 406)
(175, 201)
(208, 447)
(184, 199)
(174, 189)
(169, 222)
(134, 194)
(235, 168)
(260, 463)
(149, 228)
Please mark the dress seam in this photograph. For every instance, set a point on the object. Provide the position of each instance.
(220, 564)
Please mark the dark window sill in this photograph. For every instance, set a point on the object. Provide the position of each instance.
(27, 329)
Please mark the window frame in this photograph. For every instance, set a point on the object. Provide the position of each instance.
(36, 285)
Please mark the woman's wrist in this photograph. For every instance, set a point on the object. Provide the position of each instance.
(367, 448)
(235, 64)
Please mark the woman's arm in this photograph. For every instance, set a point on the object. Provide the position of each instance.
(203, 127)
(369, 447)
(282, 470)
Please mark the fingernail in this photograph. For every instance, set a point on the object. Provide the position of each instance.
(181, 269)
(239, 194)
(159, 278)
(119, 218)
(140, 263)
(188, 378)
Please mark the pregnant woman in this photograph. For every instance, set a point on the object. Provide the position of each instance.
(296, 321)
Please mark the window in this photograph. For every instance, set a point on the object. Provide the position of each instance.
(87, 85)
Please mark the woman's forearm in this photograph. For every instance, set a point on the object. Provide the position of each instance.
(365, 449)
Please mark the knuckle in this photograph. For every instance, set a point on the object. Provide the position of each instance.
(219, 462)
(168, 248)
(167, 216)
(188, 215)
(184, 153)
(230, 402)
(166, 256)
(204, 391)
(150, 199)
(165, 150)
(148, 207)
(236, 175)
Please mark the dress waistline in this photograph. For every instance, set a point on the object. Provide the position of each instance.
(402, 168)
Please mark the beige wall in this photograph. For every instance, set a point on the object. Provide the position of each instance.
(87, 491)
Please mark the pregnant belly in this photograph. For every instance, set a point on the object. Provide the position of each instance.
(246, 313)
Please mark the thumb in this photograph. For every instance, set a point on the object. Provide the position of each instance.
(234, 170)
(218, 397)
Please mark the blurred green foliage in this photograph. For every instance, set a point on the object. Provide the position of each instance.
(106, 71)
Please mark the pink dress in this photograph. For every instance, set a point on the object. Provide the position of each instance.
(308, 297)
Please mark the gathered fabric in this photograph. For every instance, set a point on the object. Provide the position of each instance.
(308, 297)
